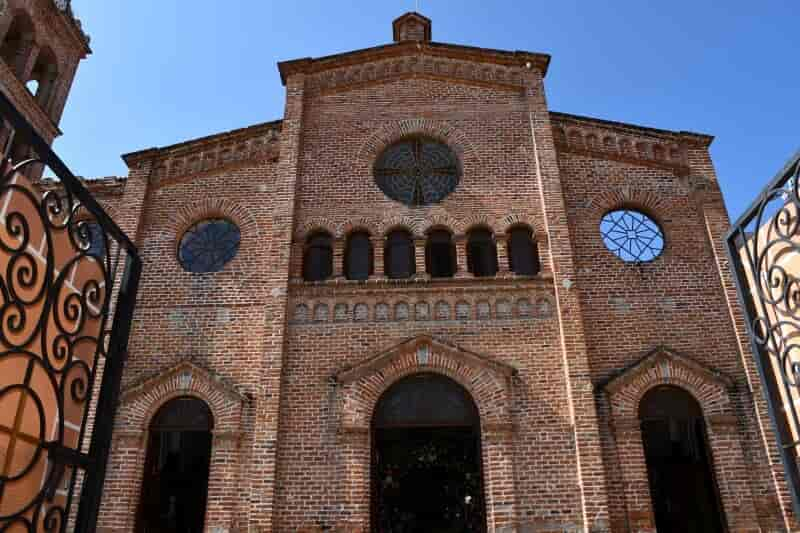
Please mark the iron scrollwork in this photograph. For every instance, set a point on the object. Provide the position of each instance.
(61, 295)
(764, 251)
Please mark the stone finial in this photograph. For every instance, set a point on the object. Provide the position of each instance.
(412, 27)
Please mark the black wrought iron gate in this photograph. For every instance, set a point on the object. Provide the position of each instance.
(68, 281)
(764, 252)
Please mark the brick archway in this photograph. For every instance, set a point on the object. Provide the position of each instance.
(138, 405)
(663, 366)
(488, 382)
(394, 131)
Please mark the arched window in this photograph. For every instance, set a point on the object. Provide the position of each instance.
(97, 240)
(175, 482)
(481, 253)
(684, 495)
(17, 42)
(523, 255)
(399, 255)
(358, 256)
(440, 254)
(318, 260)
(45, 74)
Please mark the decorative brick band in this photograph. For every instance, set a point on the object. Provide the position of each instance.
(420, 226)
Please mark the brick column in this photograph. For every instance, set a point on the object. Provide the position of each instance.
(503, 263)
(589, 469)
(419, 258)
(379, 269)
(338, 258)
(498, 477)
(222, 480)
(355, 450)
(633, 464)
(731, 473)
(462, 262)
(26, 59)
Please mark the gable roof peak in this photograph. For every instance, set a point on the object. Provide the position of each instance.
(411, 27)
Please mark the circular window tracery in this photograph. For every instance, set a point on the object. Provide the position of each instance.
(417, 171)
(631, 235)
(209, 245)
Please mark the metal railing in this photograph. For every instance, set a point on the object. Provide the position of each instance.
(764, 252)
(68, 282)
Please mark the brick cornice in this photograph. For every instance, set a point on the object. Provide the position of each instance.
(433, 49)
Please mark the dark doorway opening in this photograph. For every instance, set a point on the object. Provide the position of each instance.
(426, 459)
(175, 484)
(682, 486)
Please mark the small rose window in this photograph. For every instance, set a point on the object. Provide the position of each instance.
(631, 235)
(417, 171)
(209, 245)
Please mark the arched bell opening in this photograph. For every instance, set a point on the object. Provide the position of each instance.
(683, 490)
(426, 458)
(175, 482)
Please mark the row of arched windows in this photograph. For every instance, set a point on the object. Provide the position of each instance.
(399, 254)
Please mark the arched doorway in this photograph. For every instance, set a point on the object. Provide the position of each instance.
(682, 487)
(426, 459)
(175, 483)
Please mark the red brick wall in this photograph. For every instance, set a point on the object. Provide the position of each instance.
(567, 454)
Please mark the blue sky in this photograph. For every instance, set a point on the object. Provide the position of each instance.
(164, 71)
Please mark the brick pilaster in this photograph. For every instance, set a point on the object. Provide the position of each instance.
(259, 483)
(583, 413)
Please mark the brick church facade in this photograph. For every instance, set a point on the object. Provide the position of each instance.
(420, 228)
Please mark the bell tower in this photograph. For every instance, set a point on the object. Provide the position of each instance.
(41, 45)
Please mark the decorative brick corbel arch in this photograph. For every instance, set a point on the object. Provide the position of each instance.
(489, 382)
(650, 202)
(711, 389)
(140, 402)
(186, 215)
(394, 131)
(508, 222)
(405, 222)
(313, 225)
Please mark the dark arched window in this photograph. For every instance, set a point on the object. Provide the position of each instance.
(440, 254)
(523, 255)
(45, 74)
(682, 487)
(175, 483)
(482, 253)
(358, 256)
(16, 44)
(399, 255)
(97, 240)
(318, 260)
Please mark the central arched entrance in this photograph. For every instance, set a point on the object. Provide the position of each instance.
(426, 459)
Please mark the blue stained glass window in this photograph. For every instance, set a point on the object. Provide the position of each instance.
(417, 171)
(209, 245)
